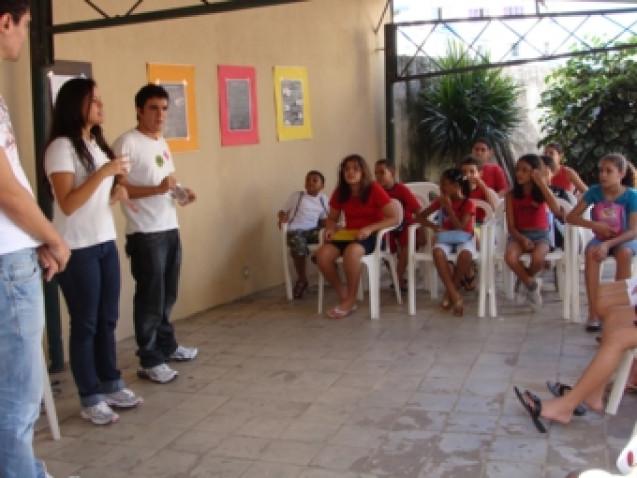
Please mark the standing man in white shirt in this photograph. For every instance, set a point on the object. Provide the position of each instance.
(26, 238)
(152, 235)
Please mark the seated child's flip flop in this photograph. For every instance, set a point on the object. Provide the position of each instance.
(534, 407)
(559, 389)
(338, 313)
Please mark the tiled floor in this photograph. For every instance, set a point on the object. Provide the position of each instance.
(281, 392)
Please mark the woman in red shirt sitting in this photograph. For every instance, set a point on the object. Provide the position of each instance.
(528, 224)
(367, 209)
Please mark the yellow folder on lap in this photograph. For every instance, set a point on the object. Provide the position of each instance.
(345, 235)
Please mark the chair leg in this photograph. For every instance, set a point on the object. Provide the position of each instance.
(373, 272)
(619, 384)
(321, 291)
(433, 281)
(49, 405)
(411, 285)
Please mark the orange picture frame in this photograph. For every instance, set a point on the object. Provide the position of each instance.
(181, 130)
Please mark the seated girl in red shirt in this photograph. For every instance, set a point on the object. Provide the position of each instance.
(386, 176)
(528, 224)
(563, 177)
(367, 209)
(453, 234)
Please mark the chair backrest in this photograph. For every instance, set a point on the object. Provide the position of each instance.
(401, 217)
(424, 191)
(489, 214)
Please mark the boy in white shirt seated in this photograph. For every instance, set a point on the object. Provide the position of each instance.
(304, 212)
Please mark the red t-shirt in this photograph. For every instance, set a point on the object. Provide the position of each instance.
(562, 180)
(478, 193)
(494, 177)
(359, 214)
(410, 204)
(460, 207)
(529, 214)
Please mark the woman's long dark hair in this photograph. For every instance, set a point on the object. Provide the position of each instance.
(535, 162)
(344, 189)
(69, 117)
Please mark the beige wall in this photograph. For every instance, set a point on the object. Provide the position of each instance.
(231, 226)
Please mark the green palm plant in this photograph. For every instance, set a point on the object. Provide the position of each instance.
(451, 111)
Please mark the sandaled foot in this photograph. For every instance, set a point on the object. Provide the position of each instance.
(299, 288)
(340, 313)
(446, 303)
(458, 307)
(559, 390)
(533, 405)
(593, 326)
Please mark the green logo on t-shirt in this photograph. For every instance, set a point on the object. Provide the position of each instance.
(159, 160)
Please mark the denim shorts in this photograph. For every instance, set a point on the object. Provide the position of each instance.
(368, 244)
(534, 235)
(632, 245)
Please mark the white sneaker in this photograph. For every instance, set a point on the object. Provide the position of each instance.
(161, 373)
(183, 354)
(124, 398)
(100, 414)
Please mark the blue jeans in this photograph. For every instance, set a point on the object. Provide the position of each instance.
(90, 284)
(155, 261)
(21, 374)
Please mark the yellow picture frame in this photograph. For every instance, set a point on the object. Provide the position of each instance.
(181, 130)
(292, 97)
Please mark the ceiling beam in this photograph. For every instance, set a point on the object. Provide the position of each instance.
(166, 14)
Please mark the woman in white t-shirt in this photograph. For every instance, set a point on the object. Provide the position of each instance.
(82, 171)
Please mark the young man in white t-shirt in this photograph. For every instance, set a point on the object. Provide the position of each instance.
(26, 238)
(152, 234)
(303, 212)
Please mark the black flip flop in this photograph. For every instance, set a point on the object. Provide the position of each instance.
(559, 389)
(534, 411)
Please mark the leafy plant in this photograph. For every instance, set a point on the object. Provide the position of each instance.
(451, 111)
(589, 108)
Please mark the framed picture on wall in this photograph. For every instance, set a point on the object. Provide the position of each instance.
(181, 125)
(238, 116)
(292, 96)
(62, 71)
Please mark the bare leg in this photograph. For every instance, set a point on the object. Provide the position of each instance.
(620, 334)
(591, 273)
(611, 294)
(401, 267)
(442, 266)
(326, 257)
(352, 265)
(624, 260)
(463, 266)
(512, 258)
(537, 258)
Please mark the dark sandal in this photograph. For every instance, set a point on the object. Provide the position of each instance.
(535, 410)
(559, 390)
(299, 289)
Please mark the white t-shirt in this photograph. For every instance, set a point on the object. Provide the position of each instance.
(92, 223)
(310, 210)
(12, 238)
(150, 163)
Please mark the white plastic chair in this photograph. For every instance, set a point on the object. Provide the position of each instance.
(285, 257)
(486, 288)
(621, 379)
(560, 257)
(373, 263)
